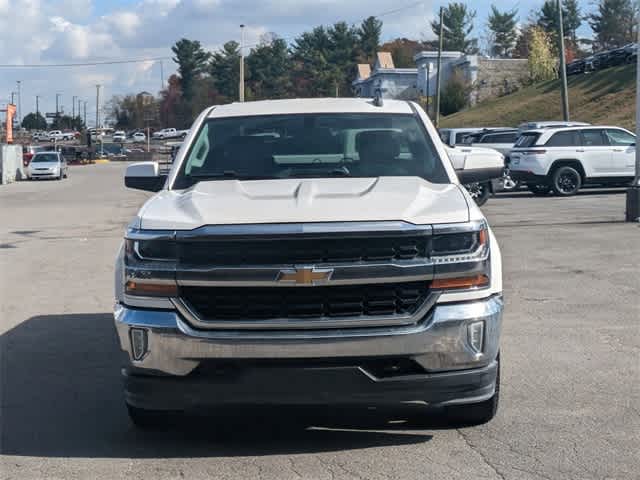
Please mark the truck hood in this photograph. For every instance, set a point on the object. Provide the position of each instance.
(228, 202)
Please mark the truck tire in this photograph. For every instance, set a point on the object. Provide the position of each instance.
(472, 414)
(566, 181)
(480, 192)
(539, 190)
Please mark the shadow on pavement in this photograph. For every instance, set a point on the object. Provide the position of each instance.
(585, 192)
(61, 397)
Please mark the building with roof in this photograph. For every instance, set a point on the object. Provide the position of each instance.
(487, 77)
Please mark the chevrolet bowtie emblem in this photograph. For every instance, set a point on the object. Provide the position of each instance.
(305, 275)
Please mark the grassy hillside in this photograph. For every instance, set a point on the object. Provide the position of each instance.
(605, 97)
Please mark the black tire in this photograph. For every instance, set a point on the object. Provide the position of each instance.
(480, 192)
(473, 414)
(566, 181)
(539, 190)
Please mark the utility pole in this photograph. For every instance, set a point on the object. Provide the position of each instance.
(73, 107)
(429, 66)
(161, 75)
(563, 66)
(19, 113)
(241, 86)
(439, 77)
(633, 194)
(79, 109)
(97, 106)
(85, 114)
(37, 106)
(57, 109)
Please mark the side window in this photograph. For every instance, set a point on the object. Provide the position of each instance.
(620, 138)
(564, 139)
(594, 138)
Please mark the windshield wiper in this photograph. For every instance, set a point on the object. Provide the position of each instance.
(336, 172)
(230, 174)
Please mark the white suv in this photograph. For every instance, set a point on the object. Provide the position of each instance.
(565, 159)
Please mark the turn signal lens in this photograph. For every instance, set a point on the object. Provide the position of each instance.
(475, 332)
(151, 289)
(460, 283)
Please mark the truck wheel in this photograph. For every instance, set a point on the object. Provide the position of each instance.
(149, 419)
(480, 192)
(475, 413)
(539, 190)
(566, 181)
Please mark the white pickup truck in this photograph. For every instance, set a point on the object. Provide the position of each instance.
(167, 133)
(58, 135)
(310, 252)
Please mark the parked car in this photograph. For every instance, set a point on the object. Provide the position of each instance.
(40, 137)
(500, 140)
(565, 159)
(28, 151)
(167, 133)
(457, 136)
(139, 137)
(48, 165)
(576, 67)
(325, 277)
(523, 127)
(58, 135)
(119, 136)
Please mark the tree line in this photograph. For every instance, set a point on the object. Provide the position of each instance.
(322, 61)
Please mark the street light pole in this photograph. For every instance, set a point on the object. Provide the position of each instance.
(58, 95)
(439, 77)
(633, 194)
(241, 86)
(37, 106)
(563, 66)
(73, 107)
(19, 82)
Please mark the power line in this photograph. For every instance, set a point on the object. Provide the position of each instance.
(85, 64)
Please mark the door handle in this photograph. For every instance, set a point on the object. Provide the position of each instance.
(580, 150)
(618, 150)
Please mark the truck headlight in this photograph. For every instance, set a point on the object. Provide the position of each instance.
(158, 250)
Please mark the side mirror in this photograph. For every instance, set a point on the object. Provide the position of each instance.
(144, 176)
(481, 165)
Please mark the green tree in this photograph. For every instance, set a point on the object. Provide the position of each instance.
(455, 96)
(270, 65)
(34, 121)
(503, 27)
(614, 23)
(67, 122)
(225, 70)
(192, 62)
(543, 64)
(458, 25)
(343, 55)
(571, 19)
(369, 38)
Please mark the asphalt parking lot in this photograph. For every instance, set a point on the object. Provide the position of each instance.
(570, 352)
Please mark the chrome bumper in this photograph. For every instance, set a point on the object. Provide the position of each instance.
(438, 343)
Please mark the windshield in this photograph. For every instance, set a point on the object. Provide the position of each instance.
(45, 158)
(311, 146)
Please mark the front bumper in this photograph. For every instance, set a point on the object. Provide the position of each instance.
(184, 368)
(529, 178)
(44, 174)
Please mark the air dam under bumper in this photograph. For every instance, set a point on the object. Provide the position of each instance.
(185, 368)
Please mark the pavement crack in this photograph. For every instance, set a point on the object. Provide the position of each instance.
(482, 455)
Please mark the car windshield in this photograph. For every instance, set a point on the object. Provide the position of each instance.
(311, 146)
(45, 158)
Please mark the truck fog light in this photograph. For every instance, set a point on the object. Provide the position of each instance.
(138, 343)
(475, 332)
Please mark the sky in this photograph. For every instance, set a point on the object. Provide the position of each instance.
(46, 32)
